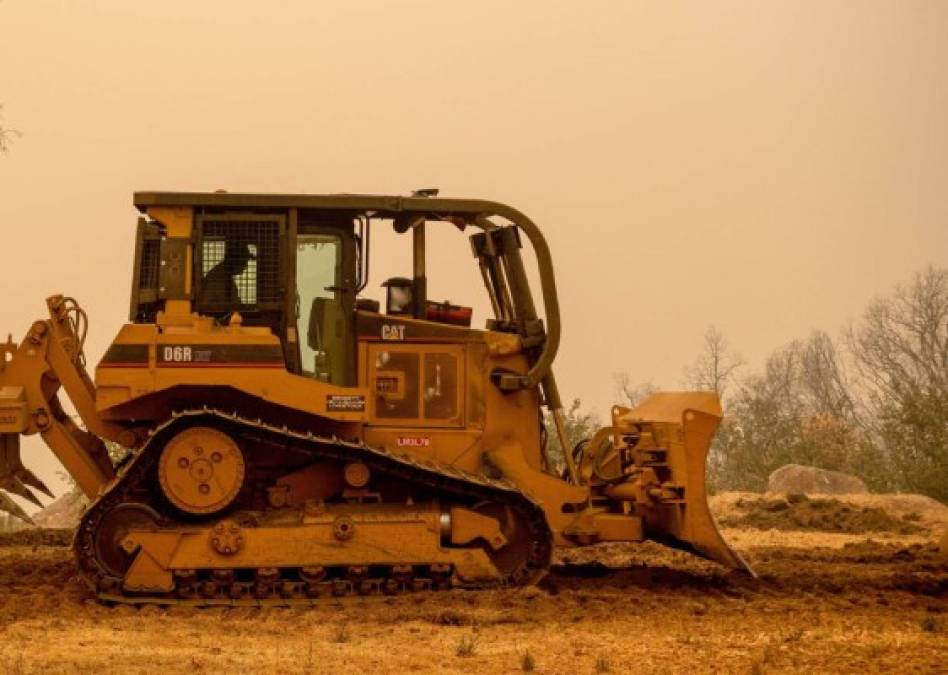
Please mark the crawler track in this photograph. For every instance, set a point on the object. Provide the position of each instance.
(290, 585)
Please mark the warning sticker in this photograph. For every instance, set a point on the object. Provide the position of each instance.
(345, 403)
(413, 442)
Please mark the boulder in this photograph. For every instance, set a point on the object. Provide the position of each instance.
(799, 479)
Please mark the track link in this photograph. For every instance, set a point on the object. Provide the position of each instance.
(286, 588)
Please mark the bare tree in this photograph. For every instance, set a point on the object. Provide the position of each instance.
(885, 420)
(631, 394)
(580, 425)
(798, 410)
(823, 379)
(6, 134)
(901, 350)
(716, 366)
(901, 344)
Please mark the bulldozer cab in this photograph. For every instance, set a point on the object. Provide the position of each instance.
(296, 264)
(297, 276)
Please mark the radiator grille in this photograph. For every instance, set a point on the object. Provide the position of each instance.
(151, 252)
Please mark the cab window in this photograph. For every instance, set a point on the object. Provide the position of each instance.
(237, 264)
(319, 310)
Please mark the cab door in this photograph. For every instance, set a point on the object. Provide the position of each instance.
(325, 290)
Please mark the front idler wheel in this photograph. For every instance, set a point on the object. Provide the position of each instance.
(112, 531)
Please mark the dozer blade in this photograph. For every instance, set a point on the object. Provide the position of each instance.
(684, 424)
(14, 477)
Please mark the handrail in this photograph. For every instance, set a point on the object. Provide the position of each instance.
(483, 210)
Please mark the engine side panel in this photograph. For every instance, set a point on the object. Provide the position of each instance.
(144, 363)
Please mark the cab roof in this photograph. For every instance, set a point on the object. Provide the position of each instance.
(378, 204)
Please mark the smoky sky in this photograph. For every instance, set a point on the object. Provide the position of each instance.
(764, 167)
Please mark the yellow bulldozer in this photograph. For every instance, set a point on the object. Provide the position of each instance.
(259, 433)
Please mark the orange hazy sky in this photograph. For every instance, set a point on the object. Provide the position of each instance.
(766, 167)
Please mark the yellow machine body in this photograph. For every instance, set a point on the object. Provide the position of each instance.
(273, 453)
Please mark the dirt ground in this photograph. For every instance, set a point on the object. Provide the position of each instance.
(826, 600)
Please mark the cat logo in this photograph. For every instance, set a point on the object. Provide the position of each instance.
(393, 332)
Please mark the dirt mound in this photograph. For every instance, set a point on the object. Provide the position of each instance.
(799, 479)
(799, 512)
(37, 537)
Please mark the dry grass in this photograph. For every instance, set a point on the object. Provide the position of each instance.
(467, 645)
(341, 634)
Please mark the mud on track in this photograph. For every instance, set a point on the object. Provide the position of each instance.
(852, 605)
